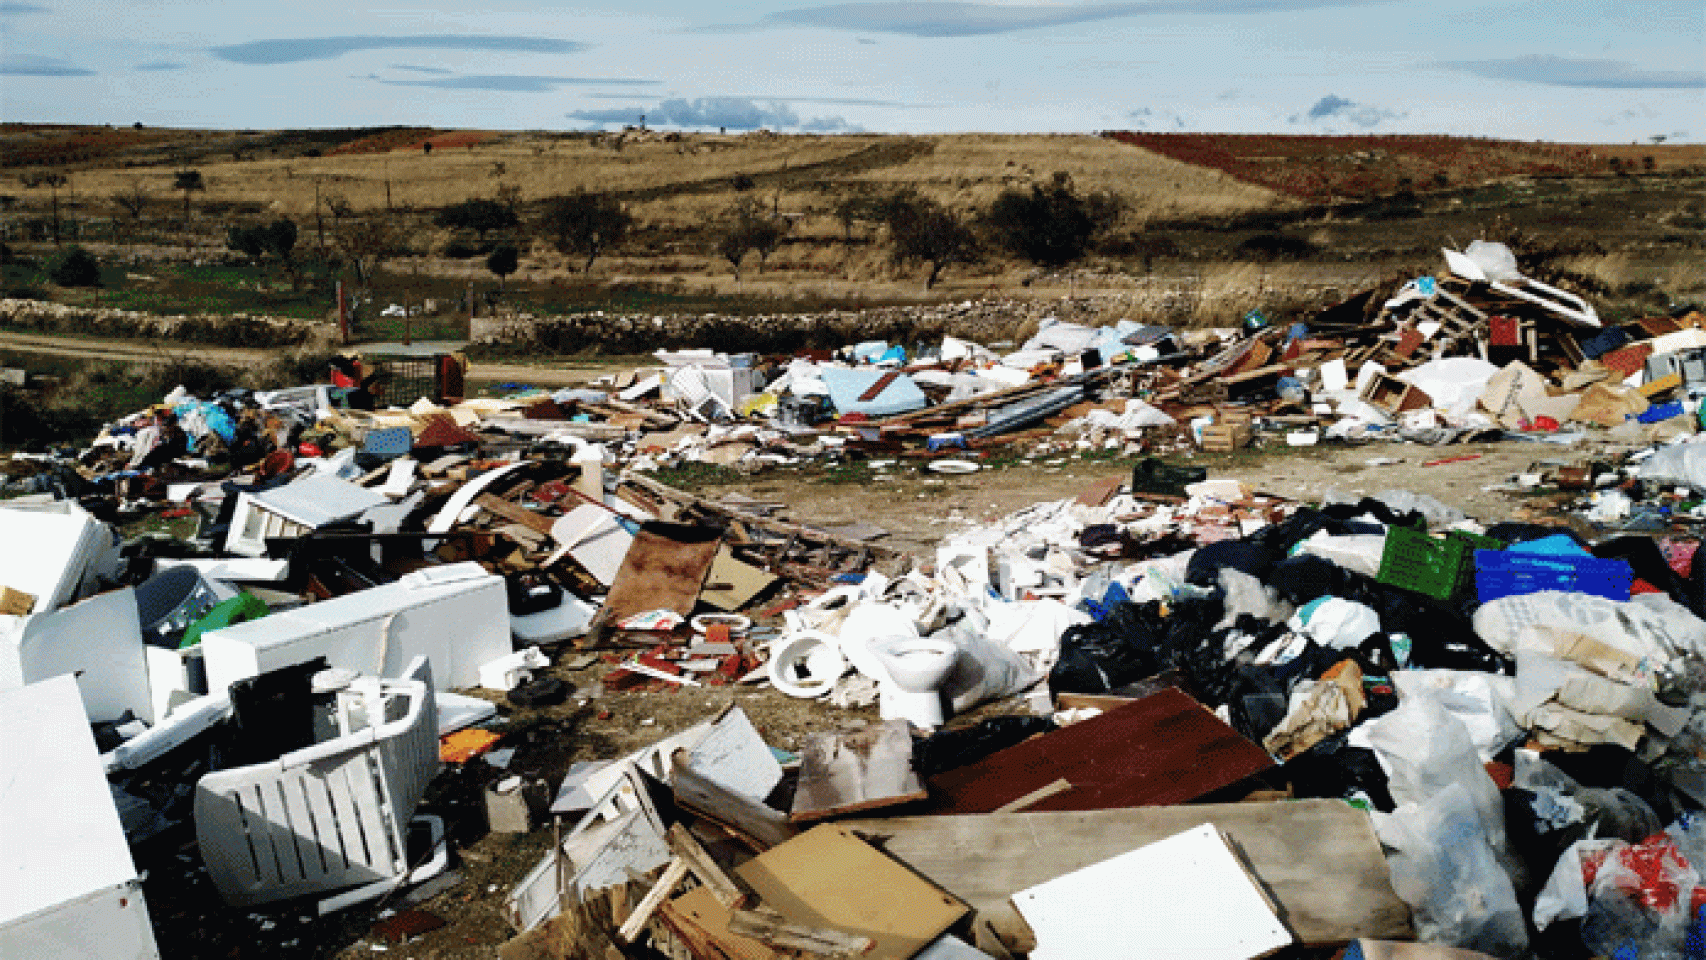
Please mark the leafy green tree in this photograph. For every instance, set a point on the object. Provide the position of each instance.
(923, 230)
(480, 216)
(586, 223)
(74, 267)
(505, 260)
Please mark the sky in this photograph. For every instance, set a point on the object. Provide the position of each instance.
(1561, 70)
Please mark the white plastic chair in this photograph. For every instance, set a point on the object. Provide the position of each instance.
(332, 815)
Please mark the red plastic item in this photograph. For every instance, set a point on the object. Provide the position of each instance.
(1545, 423)
(308, 450)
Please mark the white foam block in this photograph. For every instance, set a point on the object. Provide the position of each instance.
(1183, 898)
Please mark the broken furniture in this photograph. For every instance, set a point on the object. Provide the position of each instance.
(68, 886)
(456, 615)
(295, 509)
(333, 814)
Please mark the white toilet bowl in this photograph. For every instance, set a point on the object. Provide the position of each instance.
(916, 668)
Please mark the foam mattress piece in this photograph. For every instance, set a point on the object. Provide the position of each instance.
(456, 615)
(847, 386)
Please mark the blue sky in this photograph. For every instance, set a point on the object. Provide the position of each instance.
(1572, 70)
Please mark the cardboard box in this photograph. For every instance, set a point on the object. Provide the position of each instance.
(16, 603)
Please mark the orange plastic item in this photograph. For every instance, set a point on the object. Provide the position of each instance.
(465, 745)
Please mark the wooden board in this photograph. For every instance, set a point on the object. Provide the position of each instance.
(827, 877)
(704, 924)
(663, 570)
(1318, 859)
(850, 772)
(1163, 749)
(1197, 903)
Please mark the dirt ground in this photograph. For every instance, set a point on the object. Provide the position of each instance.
(918, 509)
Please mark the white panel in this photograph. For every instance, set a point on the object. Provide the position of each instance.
(64, 850)
(1183, 898)
(98, 639)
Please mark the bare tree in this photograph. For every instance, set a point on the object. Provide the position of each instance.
(367, 243)
(53, 180)
(189, 181)
(133, 200)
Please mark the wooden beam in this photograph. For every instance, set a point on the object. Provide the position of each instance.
(774, 929)
(642, 915)
(707, 871)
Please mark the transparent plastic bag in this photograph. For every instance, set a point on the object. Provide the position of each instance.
(1443, 867)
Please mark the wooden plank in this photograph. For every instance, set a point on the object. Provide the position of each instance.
(848, 773)
(1101, 491)
(706, 870)
(1163, 749)
(875, 390)
(660, 891)
(829, 878)
(1319, 859)
(1035, 797)
(516, 513)
(703, 924)
(773, 929)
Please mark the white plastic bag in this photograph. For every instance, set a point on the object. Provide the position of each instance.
(1480, 700)
(1424, 751)
(985, 670)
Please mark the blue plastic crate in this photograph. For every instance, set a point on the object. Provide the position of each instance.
(1508, 573)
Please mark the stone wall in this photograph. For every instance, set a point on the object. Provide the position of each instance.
(237, 330)
(983, 321)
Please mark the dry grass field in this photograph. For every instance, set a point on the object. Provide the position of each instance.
(1212, 225)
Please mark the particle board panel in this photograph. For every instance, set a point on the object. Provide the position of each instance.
(827, 877)
(1198, 904)
(663, 570)
(1318, 859)
(1163, 749)
(849, 772)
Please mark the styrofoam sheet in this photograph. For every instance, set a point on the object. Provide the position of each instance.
(846, 386)
(1183, 898)
(67, 882)
(457, 623)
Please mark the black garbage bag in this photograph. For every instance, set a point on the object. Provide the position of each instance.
(1643, 556)
(1121, 647)
(1248, 556)
(1305, 577)
(1333, 768)
(945, 750)
(1378, 510)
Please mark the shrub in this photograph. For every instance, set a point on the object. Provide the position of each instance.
(74, 267)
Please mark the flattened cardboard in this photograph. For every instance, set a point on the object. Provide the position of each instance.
(732, 583)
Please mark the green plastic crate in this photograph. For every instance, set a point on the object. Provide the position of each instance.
(1438, 567)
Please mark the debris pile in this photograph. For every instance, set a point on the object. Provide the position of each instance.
(1273, 724)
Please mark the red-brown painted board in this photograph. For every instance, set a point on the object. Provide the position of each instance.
(1161, 750)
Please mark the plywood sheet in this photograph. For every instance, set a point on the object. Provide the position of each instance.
(827, 877)
(1197, 904)
(842, 773)
(1163, 749)
(704, 923)
(663, 570)
(1318, 859)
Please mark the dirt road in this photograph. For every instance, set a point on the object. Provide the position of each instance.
(145, 351)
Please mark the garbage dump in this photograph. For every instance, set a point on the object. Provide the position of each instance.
(1373, 727)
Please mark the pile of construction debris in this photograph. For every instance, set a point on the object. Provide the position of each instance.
(1274, 724)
